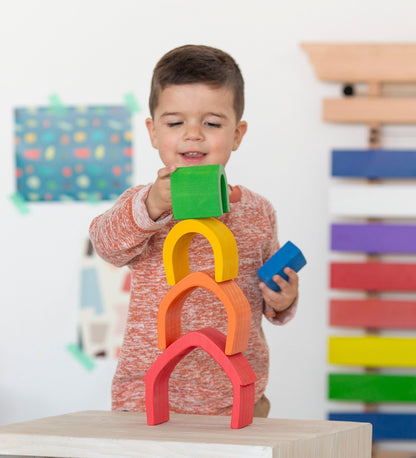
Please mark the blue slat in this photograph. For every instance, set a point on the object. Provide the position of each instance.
(376, 163)
(386, 426)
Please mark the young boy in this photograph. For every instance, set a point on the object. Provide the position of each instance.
(196, 104)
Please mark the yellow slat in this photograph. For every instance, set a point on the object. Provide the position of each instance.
(372, 351)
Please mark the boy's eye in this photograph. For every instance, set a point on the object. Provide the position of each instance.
(173, 124)
(212, 124)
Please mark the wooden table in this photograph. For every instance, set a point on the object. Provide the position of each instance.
(119, 434)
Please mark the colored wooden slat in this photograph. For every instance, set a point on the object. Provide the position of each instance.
(372, 313)
(386, 426)
(370, 110)
(372, 351)
(372, 388)
(363, 62)
(393, 454)
(373, 201)
(374, 238)
(373, 276)
(376, 163)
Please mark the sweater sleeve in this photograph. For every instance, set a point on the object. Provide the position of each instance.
(121, 233)
(283, 317)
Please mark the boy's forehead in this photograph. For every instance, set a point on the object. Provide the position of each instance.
(196, 87)
(195, 94)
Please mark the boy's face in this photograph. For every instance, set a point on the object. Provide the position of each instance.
(195, 124)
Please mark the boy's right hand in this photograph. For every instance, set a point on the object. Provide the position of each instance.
(159, 199)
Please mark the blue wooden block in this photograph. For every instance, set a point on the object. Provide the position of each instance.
(289, 255)
(386, 426)
(375, 163)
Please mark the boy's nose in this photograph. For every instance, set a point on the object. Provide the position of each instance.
(193, 132)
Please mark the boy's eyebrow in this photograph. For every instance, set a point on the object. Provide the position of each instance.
(173, 113)
(211, 113)
(218, 115)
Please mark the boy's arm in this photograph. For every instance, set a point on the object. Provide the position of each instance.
(122, 232)
(279, 307)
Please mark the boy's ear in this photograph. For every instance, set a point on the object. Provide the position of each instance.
(152, 133)
(240, 131)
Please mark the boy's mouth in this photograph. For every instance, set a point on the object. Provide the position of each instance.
(193, 155)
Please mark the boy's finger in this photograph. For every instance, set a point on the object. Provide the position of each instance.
(293, 276)
(280, 281)
(166, 171)
(266, 291)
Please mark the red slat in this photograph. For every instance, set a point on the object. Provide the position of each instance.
(373, 313)
(373, 276)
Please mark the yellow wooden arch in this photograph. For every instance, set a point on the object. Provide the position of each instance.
(176, 249)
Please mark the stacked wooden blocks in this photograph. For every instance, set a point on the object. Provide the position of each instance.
(199, 194)
(375, 218)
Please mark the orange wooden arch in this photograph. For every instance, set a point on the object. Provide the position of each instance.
(228, 292)
(236, 367)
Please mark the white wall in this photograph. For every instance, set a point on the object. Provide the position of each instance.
(93, 52)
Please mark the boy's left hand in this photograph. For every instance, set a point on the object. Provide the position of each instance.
(283, 299)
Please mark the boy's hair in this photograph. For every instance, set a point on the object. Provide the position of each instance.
(192, 64)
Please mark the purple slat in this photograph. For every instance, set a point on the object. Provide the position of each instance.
(374, 238)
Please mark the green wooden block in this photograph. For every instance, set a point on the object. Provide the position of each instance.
(372, 388)
(199, 191)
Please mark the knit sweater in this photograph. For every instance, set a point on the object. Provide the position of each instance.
(125, 235)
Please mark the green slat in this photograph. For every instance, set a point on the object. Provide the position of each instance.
(372, 387)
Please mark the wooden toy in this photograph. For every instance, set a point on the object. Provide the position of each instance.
(370, 110)
(228, 292)
(235, 366)
(199, 192)
(374, 163)
(363, 62)
(372, 387)
(373, 276)
(379, 103)
(386, 426)
(372, 351)
(288, 255)
(375, 201)
(176, 246)
(373, 313)
(374, 238)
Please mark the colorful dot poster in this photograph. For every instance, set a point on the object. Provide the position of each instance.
(73, 153)
(104, 301)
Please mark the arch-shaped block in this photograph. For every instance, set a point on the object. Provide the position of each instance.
(236, 367)
(176, 249)
(200, 191)
(228, 292)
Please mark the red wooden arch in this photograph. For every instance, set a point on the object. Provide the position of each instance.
(236, 367)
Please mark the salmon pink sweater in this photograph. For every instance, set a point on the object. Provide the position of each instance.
(125, 235)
